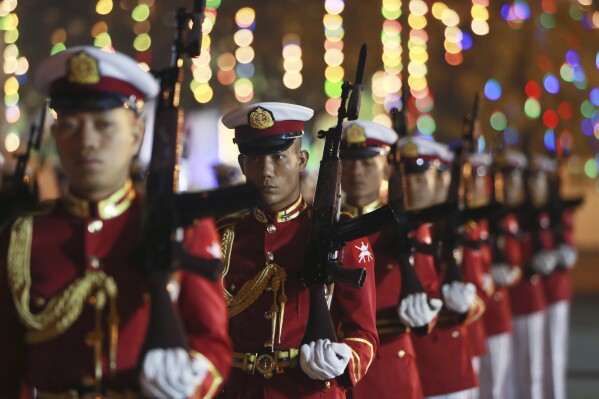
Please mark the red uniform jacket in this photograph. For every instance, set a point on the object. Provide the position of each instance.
(50, 251)
(443, 356)
(527, 296)
(497, 318)
(255, 245)
(472, 269)
(557, 285)
(393, 372)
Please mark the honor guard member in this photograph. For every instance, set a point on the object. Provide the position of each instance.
(556, 282)
(443, 356)
(527, 298)
(264, 251)
(497, 322)
(74, 309)
(364, 152)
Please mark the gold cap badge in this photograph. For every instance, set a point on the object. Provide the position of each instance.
(410, 150)
(355, 134)
(83, 69)
(261, 118)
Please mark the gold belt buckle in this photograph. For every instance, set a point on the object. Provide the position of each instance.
(265, 364)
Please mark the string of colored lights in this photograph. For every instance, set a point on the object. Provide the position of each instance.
(141, 27)
(454, 36)
(292, 61)
(245, 19)
(103, 39)
(387, 83)
(333, 56)
(15, 71)
(200, 67)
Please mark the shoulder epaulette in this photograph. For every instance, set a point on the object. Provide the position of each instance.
(231, 219)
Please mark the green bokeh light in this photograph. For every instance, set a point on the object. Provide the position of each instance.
(532, 108)
(498, 121)
(426, 125)
(332, 89)
(140, 13)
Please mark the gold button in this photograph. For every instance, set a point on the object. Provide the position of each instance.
(95, 226)
(94, 262)
(270, 256)
(389, 266)
(271, 228)
(327, 384)
(455, 334)
(39, 301)
(268, 315)
(110, 210)
(401, 353)
(233, 286)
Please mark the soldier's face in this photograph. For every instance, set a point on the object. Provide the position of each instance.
(442, 186)
(361, 179)
(421, 189)
(96, 148)
(513, 187)
(539, 188)
(276, 175)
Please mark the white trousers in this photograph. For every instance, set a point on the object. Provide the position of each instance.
(526, 371)
(556, 349)
(465, 394)
(494, 367)
(476, 367)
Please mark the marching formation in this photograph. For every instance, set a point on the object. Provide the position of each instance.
(421, 270)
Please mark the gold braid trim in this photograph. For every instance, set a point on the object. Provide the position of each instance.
(272, 275)
(63, 309)
(227, 238)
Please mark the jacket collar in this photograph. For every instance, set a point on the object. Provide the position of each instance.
(111, 207)
(284, 215)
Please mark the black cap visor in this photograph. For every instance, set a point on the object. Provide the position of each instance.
(90, 100)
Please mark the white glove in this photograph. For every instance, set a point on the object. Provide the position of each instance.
(171, 373)
(323, 359)
(416, 310)
(567, 255)
(488, 284)
(459, 296)
(504, 274)
(544, 262)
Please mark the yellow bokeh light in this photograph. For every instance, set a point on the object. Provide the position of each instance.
(293, 65)
(226, 61)
(10, 66)
(333, 57)
(144, 66)
(334, 73)
(450, 17)
(103, 40)
(292, 52)
(7, 6)
(479, 27)
(418, 7)
(438, 9)
(244, 55)
(391, 60)
(392, 83)
(104, 7)
(203, 93)
(11, 21)
(11, 51)
(245, 17)
(453, 34)
(334, 6)
(142, 42)
(13, 99)
(417, 69)
(202, 74)
(417, 21)
(206, 42)
(382, 119)
(11, 86)
(202, 60)
(378, 87)
(243, 87)
(243, 37)
(332, 22)
(479, 12)
(11, 142)
(11, 36)
(292, 80)
(417, 83)
(596, 19)
(451, 47)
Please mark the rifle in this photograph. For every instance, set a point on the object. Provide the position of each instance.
(322, 262)
(165, 212)
(450, 239)
(410, 282)
(18, 195)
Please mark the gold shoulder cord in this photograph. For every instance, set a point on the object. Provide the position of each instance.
(271, 278)
(64, 308)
